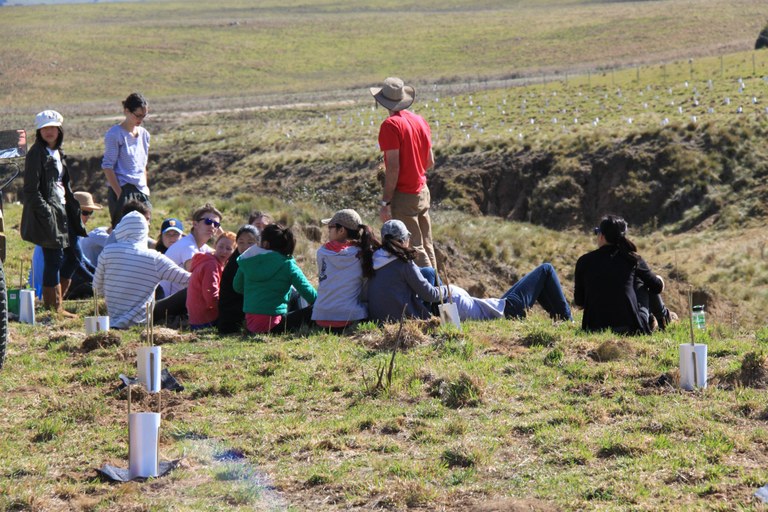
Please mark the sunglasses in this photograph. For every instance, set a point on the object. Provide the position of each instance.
(86, 213)
(210, 222)
(596, 231)
(139, 116)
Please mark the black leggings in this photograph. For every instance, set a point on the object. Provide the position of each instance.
(170, 307)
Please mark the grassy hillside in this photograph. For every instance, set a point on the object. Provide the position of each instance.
(264, 105)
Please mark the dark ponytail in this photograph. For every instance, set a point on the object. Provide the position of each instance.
(614, 229)
(398, 248)
(367, 242)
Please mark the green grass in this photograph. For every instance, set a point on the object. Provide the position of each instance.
(569, 431)
(497, 410)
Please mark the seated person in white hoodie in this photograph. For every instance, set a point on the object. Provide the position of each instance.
(128, 272)
(343, 265)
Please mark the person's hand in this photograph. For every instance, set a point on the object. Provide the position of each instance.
(385, 213)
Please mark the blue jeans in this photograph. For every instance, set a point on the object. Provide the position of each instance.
(540, 285)
(58, 264)
(430, 275)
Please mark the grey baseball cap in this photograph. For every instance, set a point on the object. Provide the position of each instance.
(395, 229)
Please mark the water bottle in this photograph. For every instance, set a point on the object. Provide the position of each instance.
(698, 317)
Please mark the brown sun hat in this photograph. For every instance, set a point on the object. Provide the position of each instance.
(347, 218)
(394, 95)
(86, 201)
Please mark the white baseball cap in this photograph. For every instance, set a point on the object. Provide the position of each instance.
(48, 118)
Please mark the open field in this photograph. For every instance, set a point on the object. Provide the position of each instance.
(241, 53)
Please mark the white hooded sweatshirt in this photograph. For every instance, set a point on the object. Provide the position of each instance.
(128, 273)
(340, 287)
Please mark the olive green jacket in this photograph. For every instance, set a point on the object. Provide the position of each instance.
(44, 220)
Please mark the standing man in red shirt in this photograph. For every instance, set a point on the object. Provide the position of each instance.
(406, 140)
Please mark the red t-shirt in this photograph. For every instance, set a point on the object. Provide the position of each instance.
(410, 134)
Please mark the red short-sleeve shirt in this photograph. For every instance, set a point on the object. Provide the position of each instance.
(411, 134)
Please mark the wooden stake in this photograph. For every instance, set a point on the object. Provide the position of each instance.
(149, 324)
(693, 342)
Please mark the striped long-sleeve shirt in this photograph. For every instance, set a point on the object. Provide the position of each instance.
(128, 273)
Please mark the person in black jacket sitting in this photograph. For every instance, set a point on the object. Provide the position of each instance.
(615, 286)
(231, 314)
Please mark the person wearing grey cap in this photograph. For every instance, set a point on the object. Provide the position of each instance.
(398, 286)
(343, 265)
(51, 215)
(406, 140)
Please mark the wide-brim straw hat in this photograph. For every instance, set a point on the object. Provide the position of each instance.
(394, 94)
(86, 201)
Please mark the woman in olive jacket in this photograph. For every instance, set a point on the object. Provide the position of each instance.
(51, 215)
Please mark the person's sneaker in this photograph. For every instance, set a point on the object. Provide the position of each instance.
(653, 324)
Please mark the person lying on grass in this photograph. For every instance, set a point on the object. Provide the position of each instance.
(397, 284)
(265, 276)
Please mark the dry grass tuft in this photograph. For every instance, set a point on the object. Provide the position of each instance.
(165, 336)
(102, 339)
(466, 391)
(754, 370)
(414, 334)
(512, 505)
(611, 350)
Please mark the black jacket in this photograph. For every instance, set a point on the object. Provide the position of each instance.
(231, 314)
(44, 220)
(605, 282)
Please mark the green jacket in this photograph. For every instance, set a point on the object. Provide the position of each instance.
(44, 220)
(265, 281)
